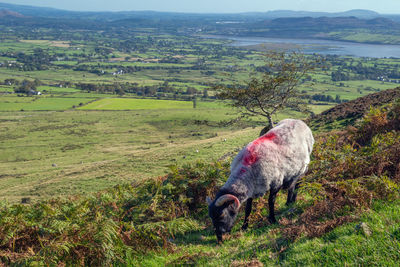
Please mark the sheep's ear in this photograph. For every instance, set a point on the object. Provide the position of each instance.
(208, 200)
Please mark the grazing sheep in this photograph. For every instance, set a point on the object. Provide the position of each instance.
(273, 161)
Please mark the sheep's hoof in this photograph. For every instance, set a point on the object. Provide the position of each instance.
(245, 226)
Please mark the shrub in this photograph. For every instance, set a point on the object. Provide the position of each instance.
(100, 229)
(349, 169)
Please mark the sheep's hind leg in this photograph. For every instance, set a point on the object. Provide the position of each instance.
(292, 194)
(247, 213)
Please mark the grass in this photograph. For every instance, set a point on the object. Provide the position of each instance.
(48, 153)
(92, 150)
(12, 103)
(365, 37)
(344, 246)
(53, 89)
(116, 226)
(349, 246)
(133, 104)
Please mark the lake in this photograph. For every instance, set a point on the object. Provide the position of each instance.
(324, 47)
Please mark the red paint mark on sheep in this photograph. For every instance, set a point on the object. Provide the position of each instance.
(251, 156)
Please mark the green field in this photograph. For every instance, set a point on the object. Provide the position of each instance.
(132, 104)
(49, 154)
(97, 149)
(13, 103)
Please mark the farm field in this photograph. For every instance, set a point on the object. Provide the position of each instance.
(130, 104)
(13, 103)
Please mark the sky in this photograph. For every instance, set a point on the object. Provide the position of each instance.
(216, 6)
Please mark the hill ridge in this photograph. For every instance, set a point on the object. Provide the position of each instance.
(356, 108)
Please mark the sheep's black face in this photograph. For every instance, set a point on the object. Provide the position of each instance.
(223, 218)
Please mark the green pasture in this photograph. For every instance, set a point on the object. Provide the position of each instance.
(6, 89)
(132, 104)
(54, 89)
(83, 94)
(365, 37)
(13, 103)
(6, 59)
(48, 154)
(61, 62)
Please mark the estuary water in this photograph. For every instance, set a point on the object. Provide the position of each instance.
(324, 47)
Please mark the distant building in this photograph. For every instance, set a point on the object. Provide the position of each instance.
(33, 92)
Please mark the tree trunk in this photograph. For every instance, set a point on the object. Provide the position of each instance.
(268, 127)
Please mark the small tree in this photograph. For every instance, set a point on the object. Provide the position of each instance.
(26, 87)
(273, 90)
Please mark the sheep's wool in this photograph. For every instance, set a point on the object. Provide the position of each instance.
(273, 160)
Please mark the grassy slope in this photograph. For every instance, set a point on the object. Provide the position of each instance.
(96, 149)
(99, 221)
(130, 104)
(348, 245)
(52, 153)
(344, 246)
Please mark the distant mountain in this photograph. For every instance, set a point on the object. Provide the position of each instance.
(32, 11)
(393, 17)
(309, 27)
(329, 23)
(8, 13)
(57, 13)
(359, 13)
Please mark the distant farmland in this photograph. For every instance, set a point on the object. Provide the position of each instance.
(133, 104)
(12, 103)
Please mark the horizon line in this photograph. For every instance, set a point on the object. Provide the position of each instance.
(192, 12)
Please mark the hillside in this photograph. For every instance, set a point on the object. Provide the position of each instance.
(326, 23)
(348, 206)
(337, 28)
(7, 13)
(355, 109)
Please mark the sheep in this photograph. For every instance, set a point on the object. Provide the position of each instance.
(273, 161)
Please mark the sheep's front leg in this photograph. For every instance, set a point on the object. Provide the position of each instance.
(247, 213)
(271, 204)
